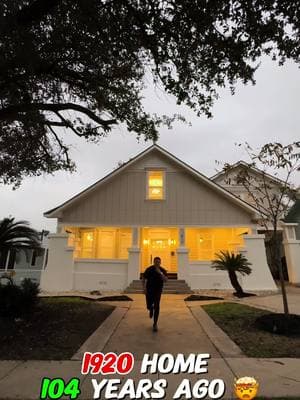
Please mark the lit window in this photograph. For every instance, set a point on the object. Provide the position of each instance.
(155, 185)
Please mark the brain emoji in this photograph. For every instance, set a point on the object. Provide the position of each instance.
(246, 388)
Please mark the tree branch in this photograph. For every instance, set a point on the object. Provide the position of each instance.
(11, 112)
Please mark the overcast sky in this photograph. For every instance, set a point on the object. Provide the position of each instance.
(266, 112)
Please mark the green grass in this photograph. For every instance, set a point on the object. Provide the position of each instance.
(237, 321)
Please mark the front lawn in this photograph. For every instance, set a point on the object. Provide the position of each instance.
(237, 321)
(54, 331)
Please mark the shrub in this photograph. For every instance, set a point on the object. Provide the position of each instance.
(16, 301)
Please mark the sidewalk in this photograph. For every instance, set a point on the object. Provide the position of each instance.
(274, 302)
(181, 330)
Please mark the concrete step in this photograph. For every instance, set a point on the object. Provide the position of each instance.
(166, 291)
(170, 287)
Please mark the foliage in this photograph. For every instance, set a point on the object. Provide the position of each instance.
(16, 301)
(17, 235)
(227, 261)
(80, 66)
(232, 263)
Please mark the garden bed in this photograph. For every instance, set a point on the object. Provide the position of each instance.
(238, 321)
(55, 330)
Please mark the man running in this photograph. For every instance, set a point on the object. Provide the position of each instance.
(153, 282)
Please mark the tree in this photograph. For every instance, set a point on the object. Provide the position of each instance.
(16, 236)
(271, 197)
(233, 263)
(80, 65)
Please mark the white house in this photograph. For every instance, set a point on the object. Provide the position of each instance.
(154, 205)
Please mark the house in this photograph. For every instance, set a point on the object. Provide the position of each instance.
(228, 179)
(153, 205)
(25, 262)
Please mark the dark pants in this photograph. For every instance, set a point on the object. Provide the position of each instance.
(153, 301)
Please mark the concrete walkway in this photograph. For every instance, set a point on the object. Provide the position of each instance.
(274, 302)
(182, 329)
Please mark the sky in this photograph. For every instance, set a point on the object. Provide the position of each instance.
(266, 112)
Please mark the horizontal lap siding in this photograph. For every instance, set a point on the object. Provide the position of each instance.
(122, 201)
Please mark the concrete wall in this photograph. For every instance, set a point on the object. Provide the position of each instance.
(100, 275)
(203, 276)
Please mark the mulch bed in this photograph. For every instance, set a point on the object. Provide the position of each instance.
(239, 322)
(196, 297)
(115, 298)
(54, 331)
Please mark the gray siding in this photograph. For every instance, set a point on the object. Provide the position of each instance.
(122, 200)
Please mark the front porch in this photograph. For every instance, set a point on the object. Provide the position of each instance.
(110, 258)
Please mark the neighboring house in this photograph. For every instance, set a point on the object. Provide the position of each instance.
(153, 205)
(26, 263)
(228, 180)
(293, 215)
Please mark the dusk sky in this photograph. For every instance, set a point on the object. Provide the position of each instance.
(266, 112)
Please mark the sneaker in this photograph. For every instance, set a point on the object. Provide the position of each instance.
(154, 328)
(151, 312)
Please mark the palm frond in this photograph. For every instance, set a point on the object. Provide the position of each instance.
(229, 261)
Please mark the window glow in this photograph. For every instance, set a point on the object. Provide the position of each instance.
(155, 185)
(204, 243)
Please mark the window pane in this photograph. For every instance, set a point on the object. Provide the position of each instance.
(155, 193)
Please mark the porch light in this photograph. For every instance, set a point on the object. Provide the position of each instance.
(201, 240)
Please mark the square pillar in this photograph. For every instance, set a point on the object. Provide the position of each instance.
(292, 255)
(134, 256)
(133, 273)
(183, 263)
(58, 273)
(260, 277)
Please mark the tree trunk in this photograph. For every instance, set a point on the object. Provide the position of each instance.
(278, 264)
(235, 283)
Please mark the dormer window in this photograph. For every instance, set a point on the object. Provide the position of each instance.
(155, 187)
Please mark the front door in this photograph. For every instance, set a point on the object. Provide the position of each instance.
(160, 243)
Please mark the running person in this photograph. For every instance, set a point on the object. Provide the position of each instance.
(153, 282)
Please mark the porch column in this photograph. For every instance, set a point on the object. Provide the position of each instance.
(292, 253)
(260, 277)
(182, 257)
(134, 254)
(58, 273)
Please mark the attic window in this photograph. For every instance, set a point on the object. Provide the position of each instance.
(155, 185)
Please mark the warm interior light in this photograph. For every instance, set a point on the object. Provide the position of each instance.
(155, 182)
(146, 241)
(201, 240)
(89, 236)
(155, 185)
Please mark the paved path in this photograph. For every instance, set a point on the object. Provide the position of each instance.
(180, 331)
(274, 302)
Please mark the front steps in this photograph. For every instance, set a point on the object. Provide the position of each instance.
(172, 286)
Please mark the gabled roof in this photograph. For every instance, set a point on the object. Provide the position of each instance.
(54, 213)
(256, 170)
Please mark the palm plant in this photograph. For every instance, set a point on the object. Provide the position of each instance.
(17, 235)
(232, 263)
